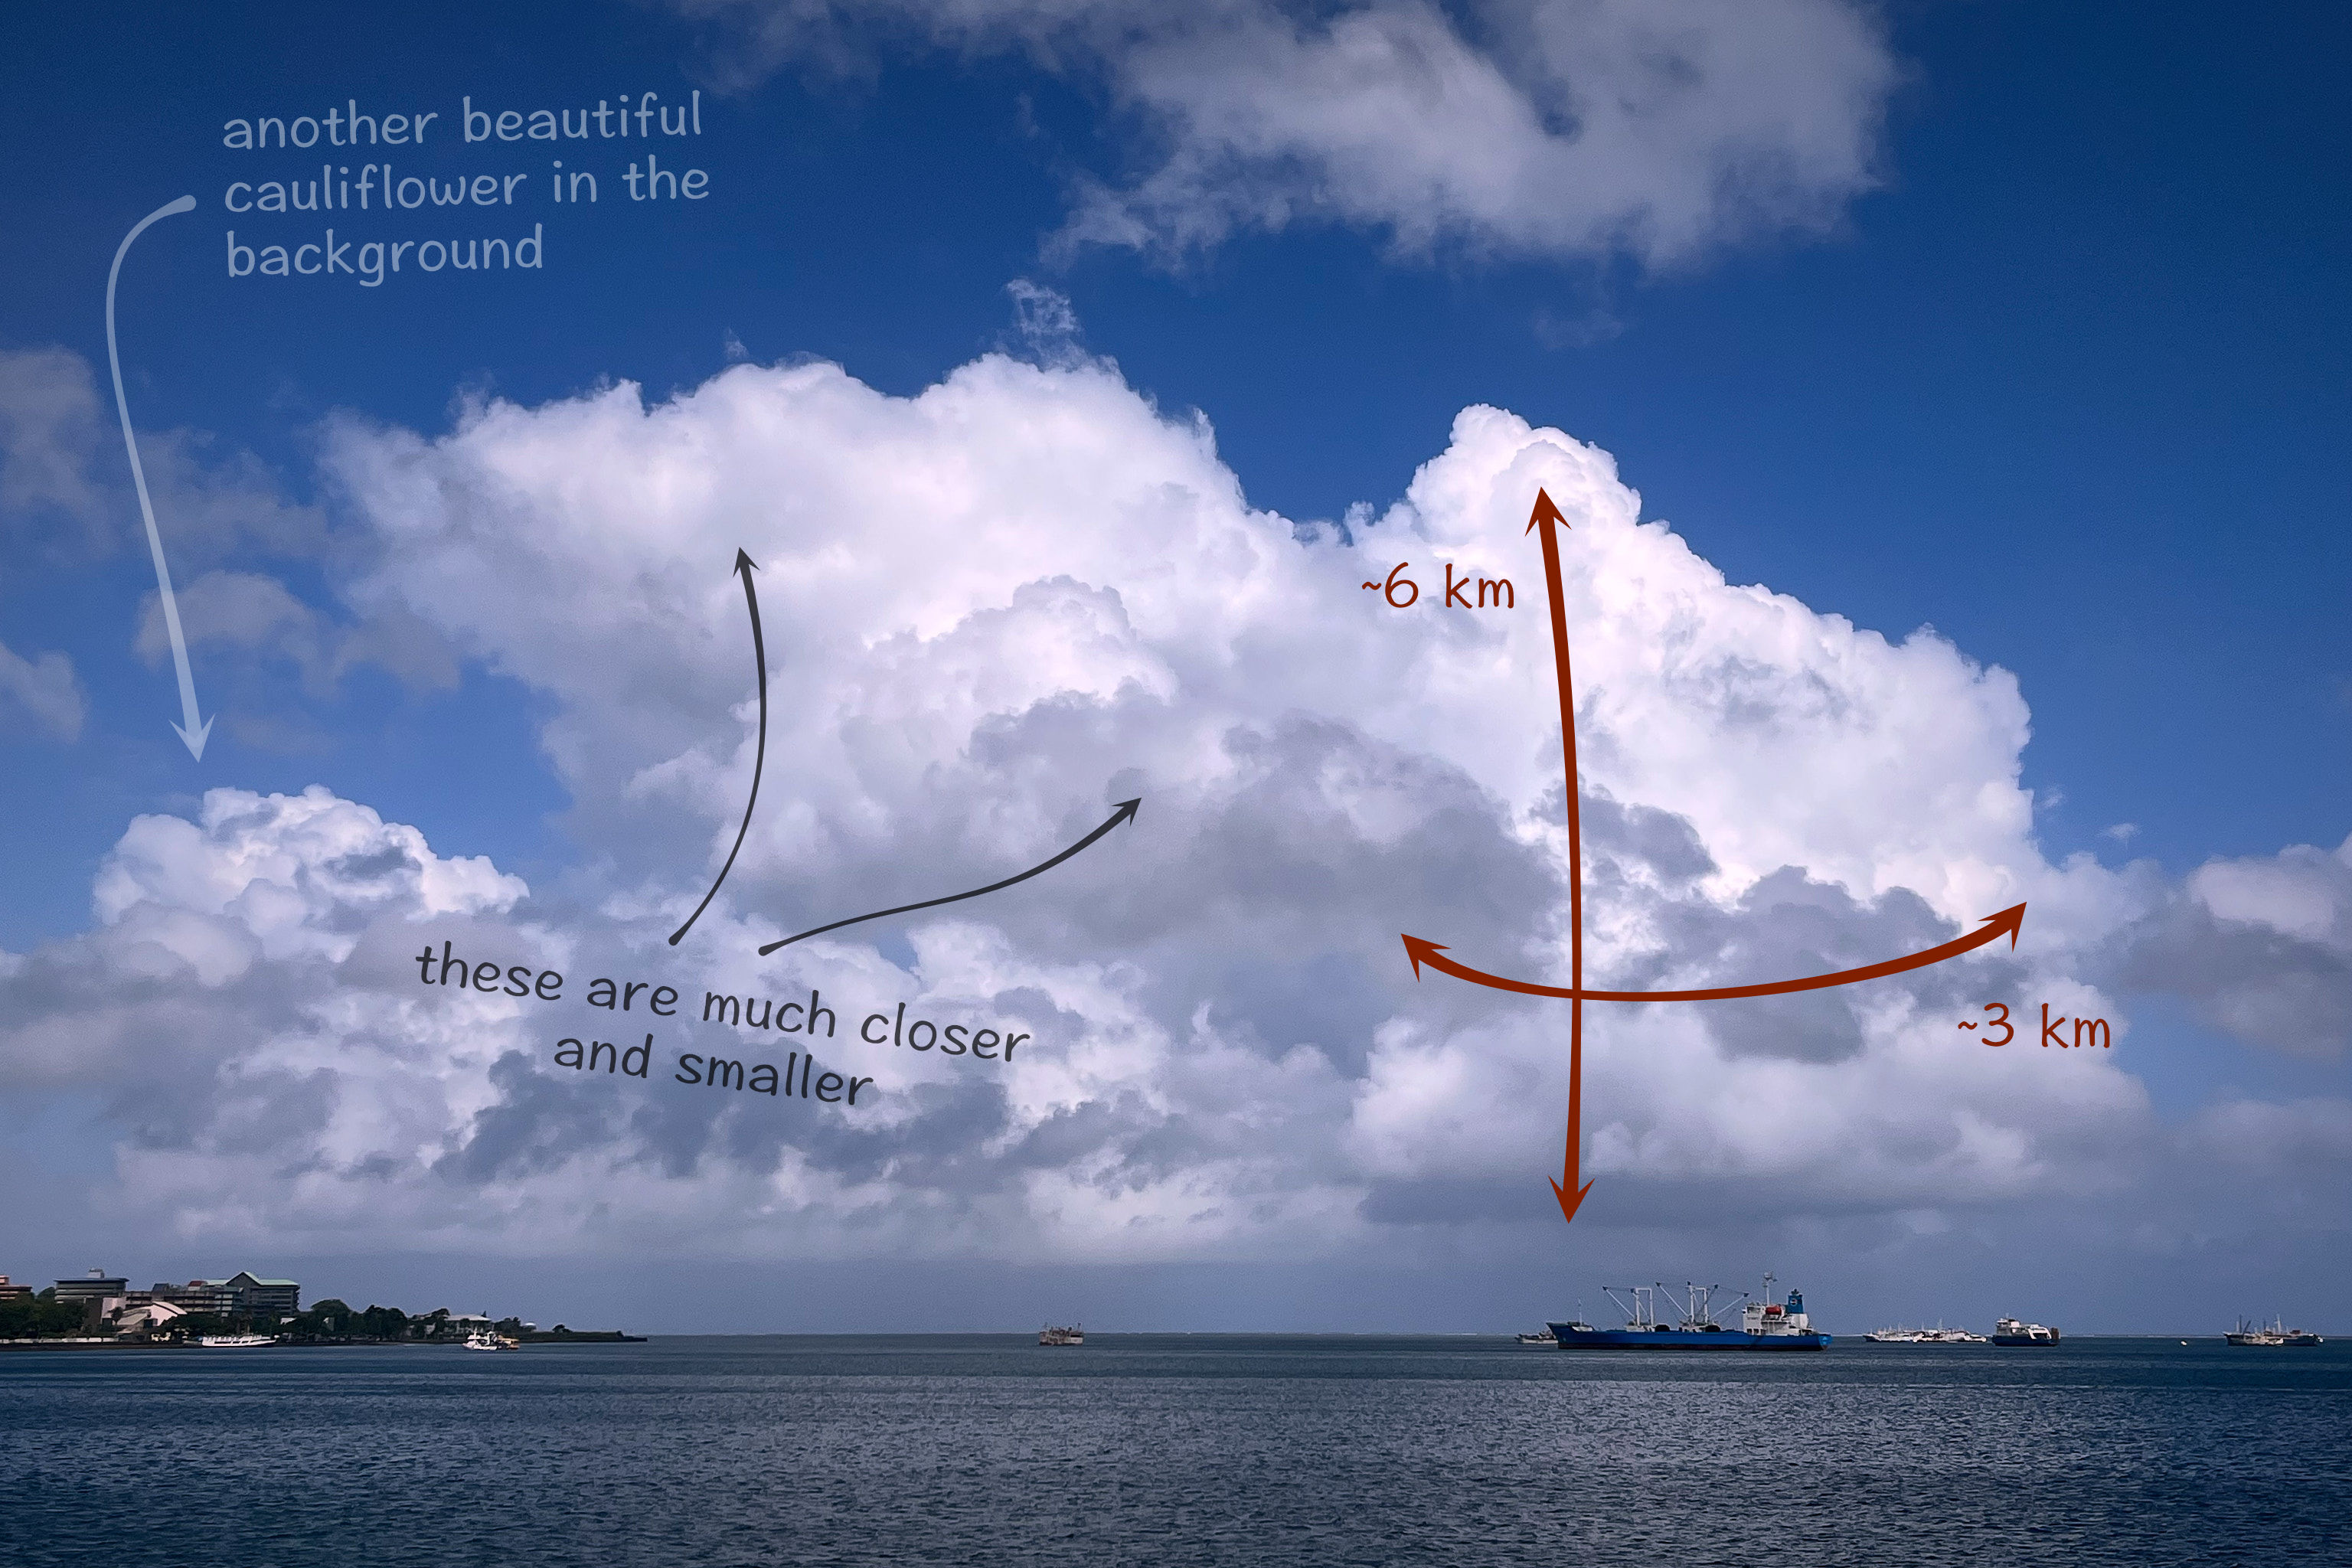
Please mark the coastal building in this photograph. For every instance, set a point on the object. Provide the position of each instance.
(146, 1319)
(196, 1295)
(95, 1286)
(242, 1291)
(13, 1292)
(280, 1298)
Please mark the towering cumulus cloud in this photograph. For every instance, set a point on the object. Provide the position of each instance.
(991, 610)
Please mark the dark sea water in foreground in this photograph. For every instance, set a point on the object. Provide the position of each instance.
(1175, 1449)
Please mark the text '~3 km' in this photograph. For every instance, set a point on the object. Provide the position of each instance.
(2000, 1031)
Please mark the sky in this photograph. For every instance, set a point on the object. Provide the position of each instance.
(1946, 403)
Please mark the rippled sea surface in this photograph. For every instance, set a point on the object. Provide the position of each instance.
(1175, 1449)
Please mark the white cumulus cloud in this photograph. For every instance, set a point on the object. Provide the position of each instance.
(1656, 129)
(2259, 947)
(43, 690)
(996, 608)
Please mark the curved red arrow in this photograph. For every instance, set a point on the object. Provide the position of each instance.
(2006, 922)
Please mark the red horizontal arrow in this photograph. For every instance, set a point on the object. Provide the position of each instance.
(2008, 921)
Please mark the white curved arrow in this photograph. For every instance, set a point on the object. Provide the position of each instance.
(192, 730)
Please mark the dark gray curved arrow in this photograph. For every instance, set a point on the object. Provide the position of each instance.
(744, 569)
(1126, 813)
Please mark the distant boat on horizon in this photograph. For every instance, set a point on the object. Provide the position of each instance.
(1072, 1335)
(2278, 1333)
(2012, 1332)
(1938, 1335)
(1765, 1324)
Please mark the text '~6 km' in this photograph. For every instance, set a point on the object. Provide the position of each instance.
(1494, 592)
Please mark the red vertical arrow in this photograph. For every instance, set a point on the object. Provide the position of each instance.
(1569, 1194)
(1566, 1189)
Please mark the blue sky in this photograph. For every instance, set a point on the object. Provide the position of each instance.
(2069, 386)
(2065, 383)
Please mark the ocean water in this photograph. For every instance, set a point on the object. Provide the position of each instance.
(1193, 1450)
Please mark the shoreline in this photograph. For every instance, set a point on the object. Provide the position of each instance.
(1847, 1341)
(608, 1337)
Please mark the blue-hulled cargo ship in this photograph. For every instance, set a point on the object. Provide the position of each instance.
(1764, 1324)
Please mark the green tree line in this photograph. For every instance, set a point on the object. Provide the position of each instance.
(43, 1317)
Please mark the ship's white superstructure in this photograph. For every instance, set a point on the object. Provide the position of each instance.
(1772, 1318)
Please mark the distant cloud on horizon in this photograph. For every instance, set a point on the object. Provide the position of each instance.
(1658, 130)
